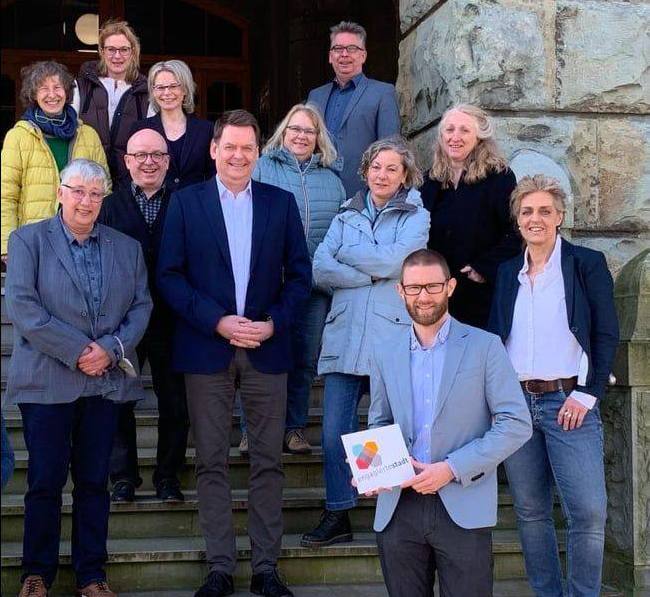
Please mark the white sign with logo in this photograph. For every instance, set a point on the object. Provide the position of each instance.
(378, 458)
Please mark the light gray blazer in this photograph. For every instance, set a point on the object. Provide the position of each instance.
(480, 417)
(46, 304)
(371, 114)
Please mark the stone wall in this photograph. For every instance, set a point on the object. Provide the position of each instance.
(568, 82)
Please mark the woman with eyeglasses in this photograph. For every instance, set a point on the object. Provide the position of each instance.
(47, 136)
(111, 93)
(359, 263)
(300, 158)
(171, 89)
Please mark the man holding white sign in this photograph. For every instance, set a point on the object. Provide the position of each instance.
(456, 398)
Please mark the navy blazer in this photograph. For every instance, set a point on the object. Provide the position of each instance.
(195, 276)
(589, 294)
(195, 164)
(372, 113)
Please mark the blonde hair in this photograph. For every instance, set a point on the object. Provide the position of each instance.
(539, 183)
(112, 27)
(400, 146)
(324, 144)
(484, 159)
(182, 74)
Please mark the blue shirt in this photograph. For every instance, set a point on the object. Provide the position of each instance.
(238, 217)
(86, 257)
(337, 103)
(426, 373)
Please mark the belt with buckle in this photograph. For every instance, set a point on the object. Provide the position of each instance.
(540, 386)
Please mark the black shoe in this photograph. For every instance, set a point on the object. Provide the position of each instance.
(168, 490)
(217, 584)
(334, 527)
(270, 584)
(123, 491)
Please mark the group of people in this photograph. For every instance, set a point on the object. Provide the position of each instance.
(172, 241)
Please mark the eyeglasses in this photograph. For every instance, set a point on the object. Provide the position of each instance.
(416, 289)
(352, 49)
(141, 156)
(78, 194)
(112, 50)
(299, 130)
(173, 87)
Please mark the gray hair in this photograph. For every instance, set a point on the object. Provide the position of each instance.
(348, 27)
(400, 146)
(35, 74)
(539, 183)
(182, 74)
(87, 170)
(324, 144)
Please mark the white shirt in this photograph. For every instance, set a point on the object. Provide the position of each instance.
(541, 345)
(238, 216)
(114, 89)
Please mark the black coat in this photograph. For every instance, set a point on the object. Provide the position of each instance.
(120, 211)
(195, 164)
(471, 225)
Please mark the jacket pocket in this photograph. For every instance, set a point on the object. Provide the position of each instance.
(393, 313)
(335, 332)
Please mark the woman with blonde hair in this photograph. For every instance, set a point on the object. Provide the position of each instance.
(111, 93)
(300, 158)
(467, 192)
(171, 89)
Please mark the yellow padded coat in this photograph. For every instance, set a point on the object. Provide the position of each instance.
(30, 176)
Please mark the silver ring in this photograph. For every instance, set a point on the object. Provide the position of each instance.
(566, 413)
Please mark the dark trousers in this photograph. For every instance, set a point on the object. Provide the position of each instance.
(173, 422)
(210, 401)
(421, 539)
(59, 437)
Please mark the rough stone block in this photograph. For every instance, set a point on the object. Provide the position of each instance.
(478, 51)
(411, 11)
(618, 250)
(603, 56)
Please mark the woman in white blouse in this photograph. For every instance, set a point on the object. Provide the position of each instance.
(554, 310)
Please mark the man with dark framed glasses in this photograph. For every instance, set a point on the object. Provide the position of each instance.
(357, 110)
(456, 397)
(138, 207)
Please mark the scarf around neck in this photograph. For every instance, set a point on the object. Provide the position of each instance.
(63, 126)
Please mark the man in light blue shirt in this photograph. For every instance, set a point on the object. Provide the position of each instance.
(456, 398)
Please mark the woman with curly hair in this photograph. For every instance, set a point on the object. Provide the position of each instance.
(467, 192)
(47, 137)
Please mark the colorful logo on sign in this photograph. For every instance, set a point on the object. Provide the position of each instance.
(367, 455)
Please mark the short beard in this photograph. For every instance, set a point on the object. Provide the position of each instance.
(431, 318)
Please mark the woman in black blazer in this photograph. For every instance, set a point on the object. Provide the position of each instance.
(171, 91)
(467, 192)
(554, 310)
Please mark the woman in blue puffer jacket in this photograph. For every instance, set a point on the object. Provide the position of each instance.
(301, 159)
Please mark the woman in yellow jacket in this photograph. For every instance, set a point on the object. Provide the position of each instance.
(40, 145)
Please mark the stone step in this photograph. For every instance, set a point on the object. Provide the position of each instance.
(176, 563)
(147, 427)
(150, 517)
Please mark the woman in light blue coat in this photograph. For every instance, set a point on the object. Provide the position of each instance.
(301, 159)
(359, 262)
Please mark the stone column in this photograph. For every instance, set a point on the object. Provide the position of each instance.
(626, 420)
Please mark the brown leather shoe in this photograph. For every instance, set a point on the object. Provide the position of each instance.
(96, 589)
(33, 586)
(295, 442)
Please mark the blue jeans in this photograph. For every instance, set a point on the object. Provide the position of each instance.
(77, 436)
(306, 334)
(342, 395)
(573, 462)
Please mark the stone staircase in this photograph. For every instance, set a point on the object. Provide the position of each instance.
(157, 549)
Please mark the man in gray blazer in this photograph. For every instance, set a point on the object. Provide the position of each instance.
(357, 110)
(461, 410)
(77, 297)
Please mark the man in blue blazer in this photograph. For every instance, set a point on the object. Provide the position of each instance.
(235, 268)
(453, 392)
(357, 110)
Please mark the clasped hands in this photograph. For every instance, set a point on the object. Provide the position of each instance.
(94, 360)
(429, 478)
(244, 333)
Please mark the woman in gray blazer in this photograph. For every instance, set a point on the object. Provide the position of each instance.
(77, 296)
